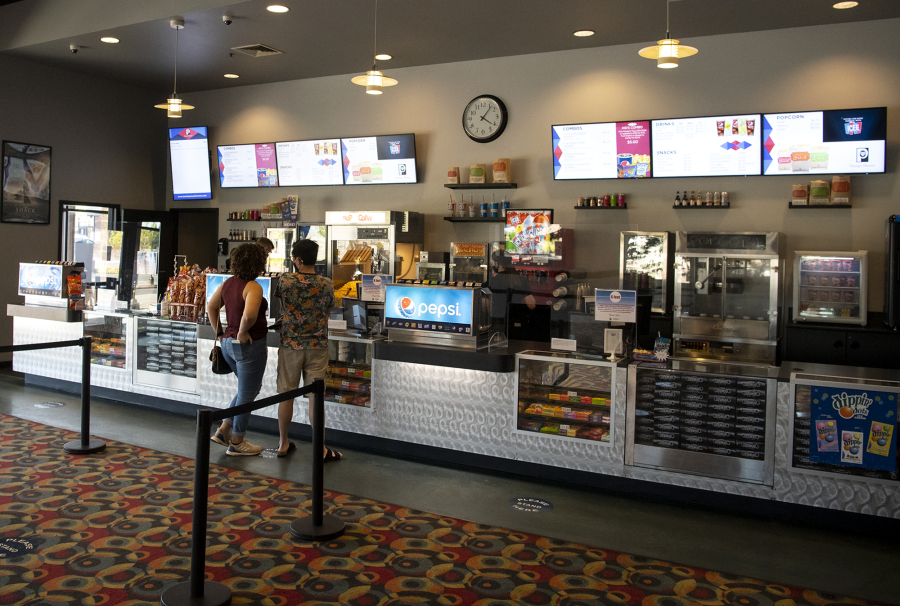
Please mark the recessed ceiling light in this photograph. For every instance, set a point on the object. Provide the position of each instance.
(277, 8)
(232, 76)
(845, 4)
(383, 57)
(109, 40)
(583, 33)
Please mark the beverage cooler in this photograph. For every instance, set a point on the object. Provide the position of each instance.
(470, 261)
(727, 290)
(830, 287)
(280, 258)
(645, 264)
(383, 242)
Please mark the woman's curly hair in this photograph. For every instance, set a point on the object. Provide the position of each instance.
(248, 261)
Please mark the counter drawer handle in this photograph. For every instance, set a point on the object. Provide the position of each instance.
(854, 345)
(838, 344)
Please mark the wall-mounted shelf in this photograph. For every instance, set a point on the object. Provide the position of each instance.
(480, 185)
(476, 219)
(618, 206)
(245, 220)
(792, 205)
(721, 206)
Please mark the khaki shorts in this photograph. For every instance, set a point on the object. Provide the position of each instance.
(311, 363)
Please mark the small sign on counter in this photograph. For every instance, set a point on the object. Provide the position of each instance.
(615, 305)
(337, 324)
(563, 344)
(373, 287)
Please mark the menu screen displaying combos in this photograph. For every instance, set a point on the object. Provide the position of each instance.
(253, 165)
(610, 150)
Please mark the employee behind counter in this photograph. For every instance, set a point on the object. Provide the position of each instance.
(508, 287)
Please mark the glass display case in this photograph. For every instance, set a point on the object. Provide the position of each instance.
(280, 257)
(562, 395)
(645, 263)
(109, 339)
(348, 379)
(469, 262)
(166, 354)
(727, 291)
(145, 279)
(317, 232)
(830, 287)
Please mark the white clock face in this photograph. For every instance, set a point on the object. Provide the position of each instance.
(484, 118)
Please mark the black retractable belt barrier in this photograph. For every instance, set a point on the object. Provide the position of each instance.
(198, 591)
(86, 445)
(317, 527)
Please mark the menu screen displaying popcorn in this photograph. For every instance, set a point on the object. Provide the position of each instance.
(826, 142)
(610, 150)
(316, 162)
(382, 159)
(714, 146)
(251, 165)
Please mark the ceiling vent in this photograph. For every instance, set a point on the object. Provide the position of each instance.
(257, 50)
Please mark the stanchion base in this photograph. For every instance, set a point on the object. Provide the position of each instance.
(78, 448)
(214, 594)
(303, 528)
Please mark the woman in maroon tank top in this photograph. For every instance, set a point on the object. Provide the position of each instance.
(243, 340)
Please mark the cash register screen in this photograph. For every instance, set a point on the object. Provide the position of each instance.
(214, 281)
(356, 314)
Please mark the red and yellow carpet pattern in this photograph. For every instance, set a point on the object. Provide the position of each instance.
(114, 529)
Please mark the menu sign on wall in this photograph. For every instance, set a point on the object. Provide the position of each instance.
(382, 159)
(610, 150)
(714, 146)
(826, 142)
(315, 162)
(189, 150)
(252, 165)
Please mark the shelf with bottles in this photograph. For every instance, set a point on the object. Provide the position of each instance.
(701, 200)
(480, 185)
(609, 207)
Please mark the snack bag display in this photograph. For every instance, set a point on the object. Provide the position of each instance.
(819, 193)
(477, 173)
(880, 436)
(827, 436)
(502, 170)
(800, 194)
(840, 189)
(851, 447)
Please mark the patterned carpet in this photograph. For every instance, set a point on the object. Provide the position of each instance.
(113, 529)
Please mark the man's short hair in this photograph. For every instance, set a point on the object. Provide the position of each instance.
(305, 250)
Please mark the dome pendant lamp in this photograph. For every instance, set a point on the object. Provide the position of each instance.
(173, 105)
(668, 51)
(373, 79)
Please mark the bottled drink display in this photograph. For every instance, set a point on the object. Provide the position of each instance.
(678, 198)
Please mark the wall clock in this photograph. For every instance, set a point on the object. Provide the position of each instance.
(484, 118)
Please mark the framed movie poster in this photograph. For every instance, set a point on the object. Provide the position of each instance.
(25, 189)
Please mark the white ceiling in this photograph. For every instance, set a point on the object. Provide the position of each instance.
(331, 37)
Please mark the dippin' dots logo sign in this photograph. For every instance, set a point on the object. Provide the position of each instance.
(376, 281)
(615, 296)
(406, 307)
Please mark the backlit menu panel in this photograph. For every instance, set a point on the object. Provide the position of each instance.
(381, 159)
(252, 165)
(316, 162)
(610, 150)
(714, 146)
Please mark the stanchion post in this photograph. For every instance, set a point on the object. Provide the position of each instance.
(86, 445)
(317, 527)
(198, 591)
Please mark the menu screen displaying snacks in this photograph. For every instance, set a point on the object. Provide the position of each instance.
(381, 159)
(714, 146)
(826, 142)
(609, 150)
(251, 165)
(316, 162)
(189, 151)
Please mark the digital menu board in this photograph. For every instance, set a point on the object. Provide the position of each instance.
(316, 162)
(438, 309)
(713, 146)
(832, 141)
(381, 159)
(189, 152)
(251, 165)
(607, 150)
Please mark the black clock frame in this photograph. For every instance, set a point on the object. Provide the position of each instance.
(503, 120)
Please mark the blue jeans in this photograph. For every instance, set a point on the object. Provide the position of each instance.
(248, 361)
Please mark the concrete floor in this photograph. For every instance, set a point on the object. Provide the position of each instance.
(829, 561)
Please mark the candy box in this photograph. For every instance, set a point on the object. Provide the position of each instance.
(529, 425)
(554, 396)
(598, 401)
(826, 432)
(880, 436)
(851, 451)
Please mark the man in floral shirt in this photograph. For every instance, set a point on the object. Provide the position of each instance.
(307, 299)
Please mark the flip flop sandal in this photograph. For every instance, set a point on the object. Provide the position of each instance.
(291, 447)
(331, 455)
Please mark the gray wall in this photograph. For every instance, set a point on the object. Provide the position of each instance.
(826, 67)
(108, 146)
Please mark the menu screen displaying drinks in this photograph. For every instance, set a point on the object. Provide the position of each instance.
(316, 162)
(714, 146)
(608, 150)
(189, 151)
(382, 159)
(251, 165)
(826, 142)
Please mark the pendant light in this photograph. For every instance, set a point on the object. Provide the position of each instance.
(668, 51)
(373, 79)
(174, 104)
